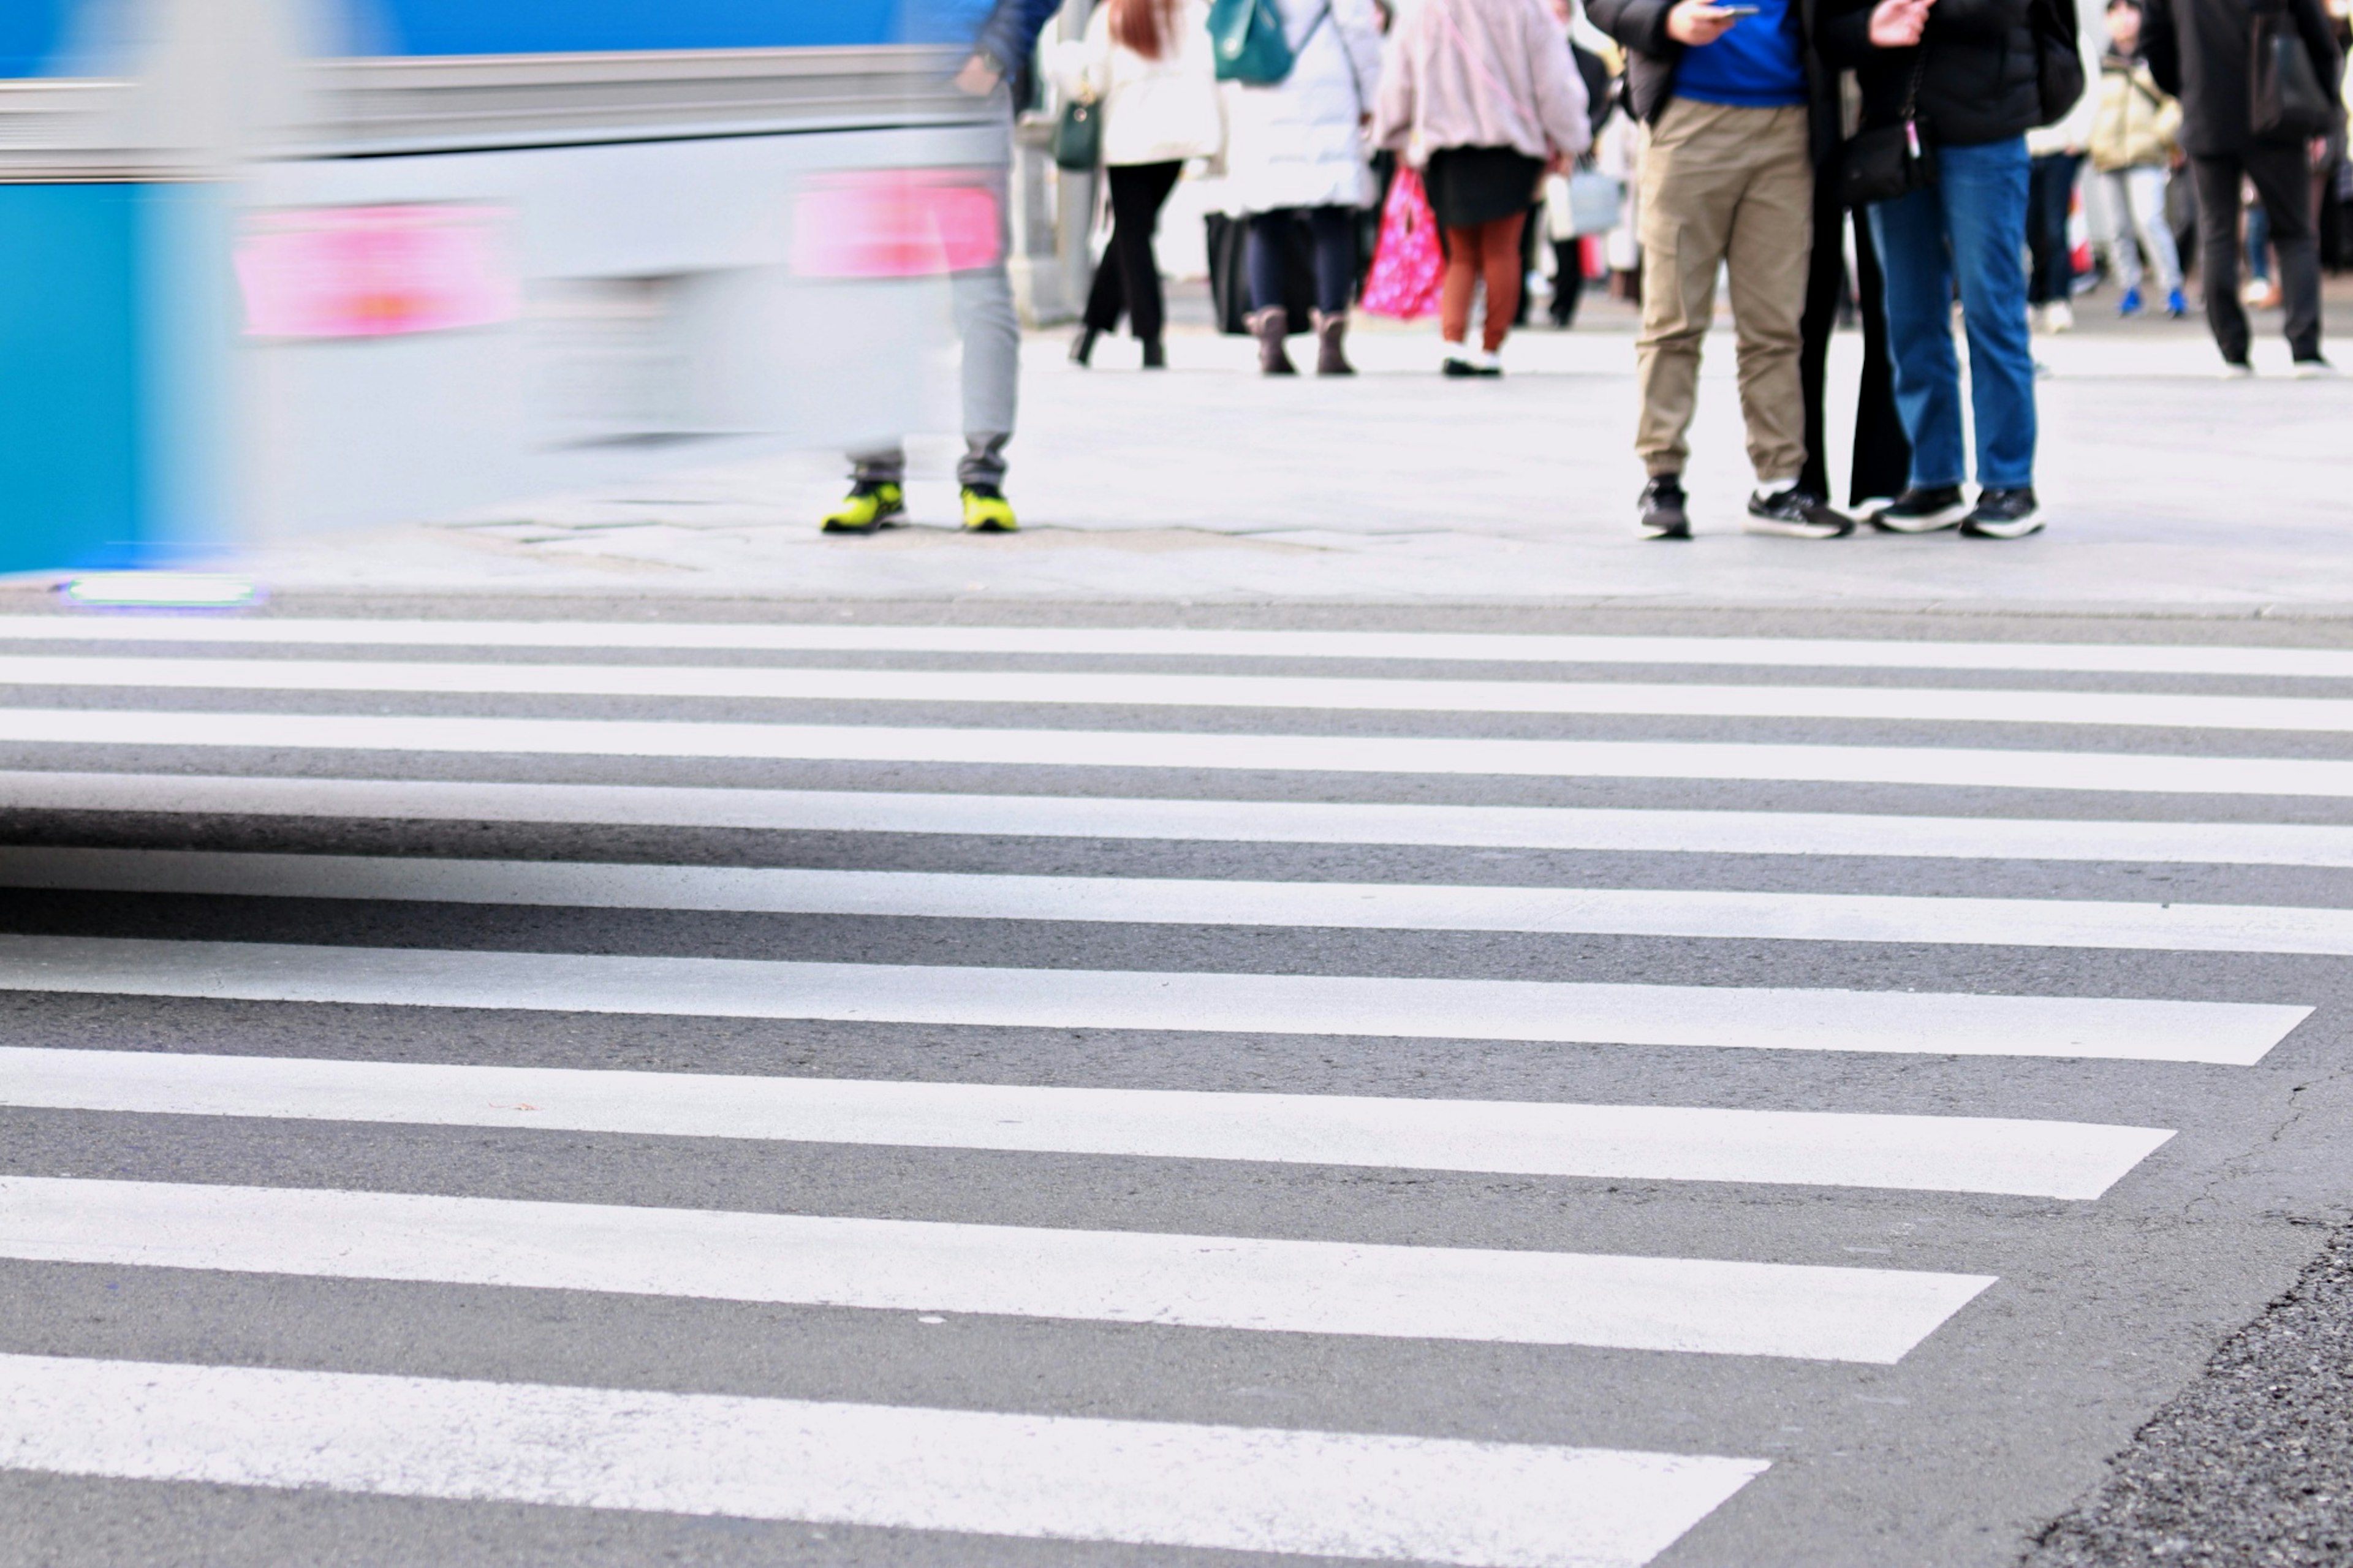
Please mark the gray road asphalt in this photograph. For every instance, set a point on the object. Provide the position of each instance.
(1963, 1450)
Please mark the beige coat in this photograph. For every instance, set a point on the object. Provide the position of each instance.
(2135, 124)
(1480, 73)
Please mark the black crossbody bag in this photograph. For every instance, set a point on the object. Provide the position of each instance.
(1884, 161)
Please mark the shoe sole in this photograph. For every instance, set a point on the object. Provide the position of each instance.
(1777, 529)
(860, 531)
(1934, 523)
(1674, 531)
(2031, 523)
(992, 528)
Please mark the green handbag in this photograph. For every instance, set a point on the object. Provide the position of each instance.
(1078, 138)
(1247, 39)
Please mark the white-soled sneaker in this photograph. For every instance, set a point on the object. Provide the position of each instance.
(2004, 514)
(1922, 510)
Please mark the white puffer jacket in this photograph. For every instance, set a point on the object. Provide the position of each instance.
(1154, 111)
(1301, 143)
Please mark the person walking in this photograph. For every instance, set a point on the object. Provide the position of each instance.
(1005, 38)
(1727, 181)
(1295, 153)
(2200, 50)
(2133, 130)
(1966, 73)
(1147, 66)
(1485, 96)
(2054, 163)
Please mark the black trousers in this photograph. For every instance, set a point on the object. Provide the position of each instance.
(1882, 453)
(1128, 281)
(2050, 190)
(2283, 178)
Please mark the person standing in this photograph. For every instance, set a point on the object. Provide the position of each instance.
(1147, 66)
(1295, 153)
(2134, 132)
(1005, 38)
(1968, 69)
(2198, 51)
(1727, 180)
(1485, 92)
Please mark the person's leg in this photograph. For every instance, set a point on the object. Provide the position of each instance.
(1137, 194)
(2143, 195)
(1770, 250)
(2216, 180)
(1463, 260)
(2117, 185)
(1107, 295)
(2046, 241)
(1882, 453)
(1918, 278)
(1692, 177)
(2259, 241)
(2282, 177)
(1265, 252)
(1567, 281)
(1335, 257)
(1499, 249)
(1825, 284)
(1985, 213)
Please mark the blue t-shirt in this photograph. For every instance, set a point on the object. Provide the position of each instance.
(1756, 64)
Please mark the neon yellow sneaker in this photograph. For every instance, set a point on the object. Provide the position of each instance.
(985, 510)
(870, 504)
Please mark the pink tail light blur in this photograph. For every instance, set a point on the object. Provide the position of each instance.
(374, 271)
(896, 223)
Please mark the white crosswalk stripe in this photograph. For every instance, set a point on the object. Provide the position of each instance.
(1929, 1153)
(1227, 821)
(1951, 767)
(1322, 694)
(1359, 906)
(1165, 1147)
(1817, 653)
(1692, 1305)
(1742, 1018)
(1484, 1505)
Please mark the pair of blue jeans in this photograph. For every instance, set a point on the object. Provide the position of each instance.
(1968, 227)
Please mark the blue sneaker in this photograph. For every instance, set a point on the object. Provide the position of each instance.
(2176, 306)
(2130, 304)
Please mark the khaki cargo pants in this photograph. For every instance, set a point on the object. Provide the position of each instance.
(1724, 184)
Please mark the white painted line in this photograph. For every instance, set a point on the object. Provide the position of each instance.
(1951, 767)
(1697, 1306)
(1755, 1018)
(1340, 906)
(1650, 1142)
(1481, 1505)
(1227, 821)
(1821, 653)
(1898, 704)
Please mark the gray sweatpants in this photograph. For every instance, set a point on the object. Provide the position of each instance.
(982, 301)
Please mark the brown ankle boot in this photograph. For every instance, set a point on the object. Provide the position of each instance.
(1331, 335)
(1268, 327)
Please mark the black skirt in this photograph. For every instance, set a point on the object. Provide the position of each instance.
(1472, 185)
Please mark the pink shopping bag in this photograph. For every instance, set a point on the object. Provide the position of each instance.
(1407, 267)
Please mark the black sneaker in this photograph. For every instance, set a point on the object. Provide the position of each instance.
(1918, 511)
(1660, 510)
(2004, 514)
(1794, 514)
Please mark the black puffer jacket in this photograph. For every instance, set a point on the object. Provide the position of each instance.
(1980, 81)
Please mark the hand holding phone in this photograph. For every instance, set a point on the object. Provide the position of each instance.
(1695, 23)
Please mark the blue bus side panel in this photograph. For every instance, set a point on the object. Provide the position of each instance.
(30, 34)
(571, 27)
(73, 402)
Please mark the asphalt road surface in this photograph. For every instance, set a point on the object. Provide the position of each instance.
(1709, 1093)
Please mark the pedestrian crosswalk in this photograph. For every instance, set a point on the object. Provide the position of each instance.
(1273, 1034)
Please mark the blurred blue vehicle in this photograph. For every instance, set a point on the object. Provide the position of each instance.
(268, 267)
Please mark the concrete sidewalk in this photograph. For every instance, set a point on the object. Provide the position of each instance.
(2167, 487)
